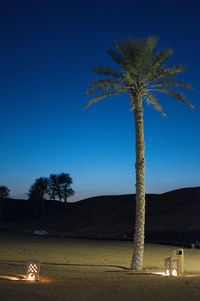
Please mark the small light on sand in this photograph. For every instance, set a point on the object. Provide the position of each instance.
(179, 254)
(31, 277)
(32, 270)
(171, 266)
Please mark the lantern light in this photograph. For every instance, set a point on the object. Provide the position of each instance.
(171, 266)
(179, 254)
(32, 270)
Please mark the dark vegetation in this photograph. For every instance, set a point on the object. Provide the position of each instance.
(4, 191)
(56, 187)
(172, 217)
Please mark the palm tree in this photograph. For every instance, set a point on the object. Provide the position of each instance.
(141, 73)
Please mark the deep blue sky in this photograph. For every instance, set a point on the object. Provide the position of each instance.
(48, 49)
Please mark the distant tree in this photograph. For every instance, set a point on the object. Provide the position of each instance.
(37, 193)
(54, 189)
(60, 187)
(38, 189)
(4, 192)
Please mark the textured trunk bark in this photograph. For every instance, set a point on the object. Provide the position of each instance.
(137, 258)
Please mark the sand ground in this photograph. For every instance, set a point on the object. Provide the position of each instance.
(92, 270)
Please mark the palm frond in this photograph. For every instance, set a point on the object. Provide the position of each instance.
(138, 48)
(171, 71)
(172, 83)
(156, 62)
(117, 58)
(156, 74)
(136, 54)
(177, 95)
(161, 57)
(130, 51)
(106, 94)
(123, 57)
(150, 44)
(151, 100)
(103, 85)
(108, 71)
(94, 90)
(147, 53)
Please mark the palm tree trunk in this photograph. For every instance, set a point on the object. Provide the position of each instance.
(137, 258)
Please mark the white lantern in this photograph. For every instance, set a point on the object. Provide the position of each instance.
(179, 254)
(171, 267)
(32, 270)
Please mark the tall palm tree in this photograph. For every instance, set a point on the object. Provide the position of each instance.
(141, 73)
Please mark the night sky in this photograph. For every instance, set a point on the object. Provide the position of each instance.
(48, 49)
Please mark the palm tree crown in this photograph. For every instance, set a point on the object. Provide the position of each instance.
(142, 72)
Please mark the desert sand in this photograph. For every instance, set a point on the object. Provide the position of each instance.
(78, 269)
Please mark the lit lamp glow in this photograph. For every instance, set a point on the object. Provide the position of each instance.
(179, 254)
(171, 266)
(32, 270)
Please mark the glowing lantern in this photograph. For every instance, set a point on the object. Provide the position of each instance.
(171, 266)
(179, 254)
(33, 270)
